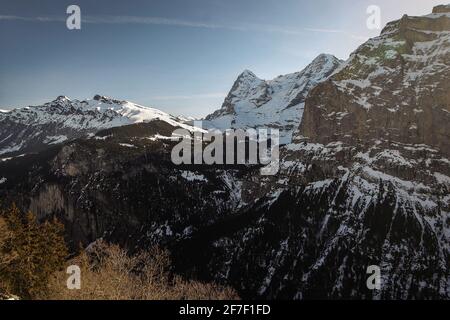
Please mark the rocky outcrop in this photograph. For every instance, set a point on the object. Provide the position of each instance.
(442, 9)
(393, 88)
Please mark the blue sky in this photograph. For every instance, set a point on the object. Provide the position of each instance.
(181, 56)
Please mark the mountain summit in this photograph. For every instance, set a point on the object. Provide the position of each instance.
(277, 103)
(32, 129)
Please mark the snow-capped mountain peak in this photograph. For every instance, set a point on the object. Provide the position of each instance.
(442, 10)
(278, 103)
(61, 99)
(33, 128)
(248, 74)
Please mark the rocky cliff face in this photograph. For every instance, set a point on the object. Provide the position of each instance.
(338, 210)
(393, 88)
(278, 103)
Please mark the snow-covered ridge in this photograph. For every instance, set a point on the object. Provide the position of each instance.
(100, 112)
(33, 128)
(278, 103)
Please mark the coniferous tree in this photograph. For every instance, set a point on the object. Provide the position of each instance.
(31, 253)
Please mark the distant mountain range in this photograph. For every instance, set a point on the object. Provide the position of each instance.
(33, 129)
(251, 103)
